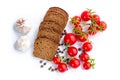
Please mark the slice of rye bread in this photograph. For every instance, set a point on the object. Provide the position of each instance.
(52, 26)
(65, 17)
(59, 10)
(50, 34)
(45, 48)
(56, 17)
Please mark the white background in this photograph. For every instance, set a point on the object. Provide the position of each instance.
(23, 66)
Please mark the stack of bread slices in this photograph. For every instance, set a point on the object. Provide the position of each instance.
(49, 33)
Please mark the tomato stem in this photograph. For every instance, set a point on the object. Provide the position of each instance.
(91, 11)
(85, 24)
(92, 62)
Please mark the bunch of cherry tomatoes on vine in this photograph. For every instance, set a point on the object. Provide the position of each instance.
(85, 25)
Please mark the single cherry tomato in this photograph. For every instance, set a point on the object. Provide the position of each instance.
(74, 63)
(86, 65)
(103, 26)
(92, 30)
(62, 67)
(72, 51)
(70, 38)
(82, 37)
(76, 20)
(86, 16)
(84, 57)
(87, 46)
(56, 60)
(77, 29)
(95, 19)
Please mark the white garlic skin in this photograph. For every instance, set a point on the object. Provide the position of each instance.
(22, 43)
(23, 26)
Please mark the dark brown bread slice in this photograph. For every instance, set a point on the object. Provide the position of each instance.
(52, 26)
(65, 17)
(45, 48)
(56, 17)
(47, 33)
(59, 10)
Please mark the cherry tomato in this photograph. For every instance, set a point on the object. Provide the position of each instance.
(84, 57)
(103, 26)
(70, 38)
(76, 20)
(92, 30)
(87, 46)
(72, 51)
(62, 67)
(77, 29)
(56, 60)
(74, 63)
(95, 18)
(82, 37)
(86, 65)
(86, 16)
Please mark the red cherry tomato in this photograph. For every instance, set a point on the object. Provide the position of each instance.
(62, 67)
(103, 26)
(56, 60)
(77, 29)
(76, 20)
(72, 51)
(86, 16)
(84, 57)
(74, 63)
(82, 37)
(70, 39)
(96, 19)
(92, 30)
(87, 46)
(86, 65)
